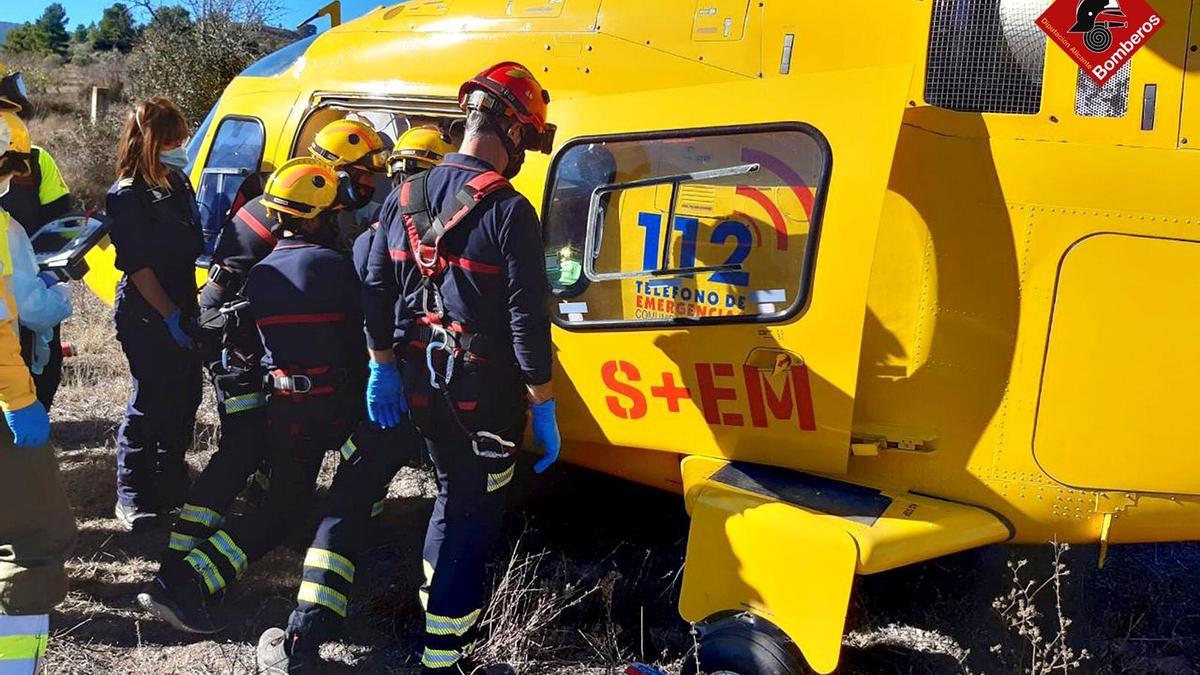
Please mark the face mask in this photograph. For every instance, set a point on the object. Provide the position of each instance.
(515, 162)
(5, 184)
(176, 159)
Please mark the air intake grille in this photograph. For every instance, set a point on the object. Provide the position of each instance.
(1108, 100)
(986, 56)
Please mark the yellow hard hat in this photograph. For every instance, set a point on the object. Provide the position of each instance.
(345, 142)
(417, 149)
(303, 187)
(14, 145)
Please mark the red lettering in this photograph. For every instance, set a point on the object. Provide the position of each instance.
(671, 392)
(636, 400)
(711, 395)
(797, 397)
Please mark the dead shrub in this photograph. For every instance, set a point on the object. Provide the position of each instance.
(1026, 611)
(85, 153)
(525, 605)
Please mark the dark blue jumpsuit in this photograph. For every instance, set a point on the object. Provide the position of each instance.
(237, 378)
(496, 288)
(159, 229)
(305, 301)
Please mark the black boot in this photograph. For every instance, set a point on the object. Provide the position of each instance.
(179, 600)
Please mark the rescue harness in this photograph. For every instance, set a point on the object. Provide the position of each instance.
(435, 330)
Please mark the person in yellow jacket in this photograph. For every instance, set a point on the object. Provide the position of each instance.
(35, 198)
(37, 527)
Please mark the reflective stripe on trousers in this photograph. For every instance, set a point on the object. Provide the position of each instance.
(23, 643)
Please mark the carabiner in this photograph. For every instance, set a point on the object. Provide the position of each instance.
(434, 343)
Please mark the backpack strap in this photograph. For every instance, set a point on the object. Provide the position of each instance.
(425, 230)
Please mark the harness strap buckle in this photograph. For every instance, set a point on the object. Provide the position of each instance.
(295, 384)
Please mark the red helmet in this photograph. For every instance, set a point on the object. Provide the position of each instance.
(510, 90)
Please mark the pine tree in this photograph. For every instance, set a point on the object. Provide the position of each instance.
(53, 23)
(116, 29)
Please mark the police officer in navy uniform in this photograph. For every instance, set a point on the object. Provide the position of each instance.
(34, 200)
(156, 234)
(304, 298)
(455, 294)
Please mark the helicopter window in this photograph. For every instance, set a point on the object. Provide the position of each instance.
(986, 56)
(743, 206)
(390, 124)
(236, 153)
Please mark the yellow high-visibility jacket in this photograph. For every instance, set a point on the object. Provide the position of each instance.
(16, 384)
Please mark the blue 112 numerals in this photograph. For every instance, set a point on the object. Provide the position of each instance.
(689, 228)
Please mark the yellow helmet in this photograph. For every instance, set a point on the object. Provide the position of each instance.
(417, 149)
(14, 145)
(345, 142)
(13, 95)
(303, 187)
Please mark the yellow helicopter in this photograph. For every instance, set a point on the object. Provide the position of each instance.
(868, 283)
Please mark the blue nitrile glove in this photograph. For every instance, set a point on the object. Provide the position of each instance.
(30, 425)
(545, 434)
(178, 334)
(385, 395)
(47, 278)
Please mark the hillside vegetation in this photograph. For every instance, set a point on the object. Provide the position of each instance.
(187, 53)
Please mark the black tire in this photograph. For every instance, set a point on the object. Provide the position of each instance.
(745, 645)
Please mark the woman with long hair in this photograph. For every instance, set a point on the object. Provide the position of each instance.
(156, 233)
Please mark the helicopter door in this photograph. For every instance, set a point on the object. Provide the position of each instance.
(709, 251)
(235, 154)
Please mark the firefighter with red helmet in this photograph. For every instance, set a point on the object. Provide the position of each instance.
(459, 338)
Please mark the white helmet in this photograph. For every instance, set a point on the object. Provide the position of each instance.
(6, 134)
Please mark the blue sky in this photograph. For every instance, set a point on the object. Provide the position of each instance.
(87, 11)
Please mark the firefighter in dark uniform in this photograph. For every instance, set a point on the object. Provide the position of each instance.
(34, 200)
(304, 298)
(455, 299)
(231, 341)
(359, 488)
(156, 234)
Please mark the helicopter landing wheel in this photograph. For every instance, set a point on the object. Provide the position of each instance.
(744, 645)
(1098, 39)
